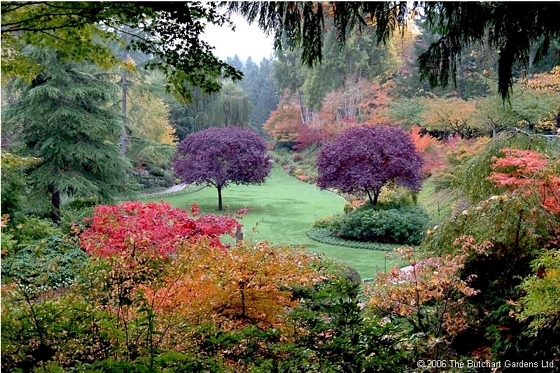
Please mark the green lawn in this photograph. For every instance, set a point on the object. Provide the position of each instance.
(438, 204)
(283, 209)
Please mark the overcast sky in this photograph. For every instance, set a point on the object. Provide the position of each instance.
(247, 40)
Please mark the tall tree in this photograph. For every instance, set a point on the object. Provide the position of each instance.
(235, 62)
(284, 124)
(443, 117)
(230, 107)
(79, 31)
(221, 156)
(458, 24)
(364, 159)
(261, 88)
(71, 125)
(267, 99)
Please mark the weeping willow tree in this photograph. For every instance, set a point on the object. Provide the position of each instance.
(230, 107)
(73, 125)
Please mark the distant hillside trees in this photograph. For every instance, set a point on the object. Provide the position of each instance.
(247, 103)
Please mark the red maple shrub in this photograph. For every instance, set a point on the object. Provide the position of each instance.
(527, 171)
(155, 229)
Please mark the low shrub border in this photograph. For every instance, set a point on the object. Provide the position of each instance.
(324, 236)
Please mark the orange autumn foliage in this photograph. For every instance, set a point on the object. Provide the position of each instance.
(429, 294)
(431, 149)
(362, 101)
(248, 284)
(284, 123)
(549, 82)
(528, 172)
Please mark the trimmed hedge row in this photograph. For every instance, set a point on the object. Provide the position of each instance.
(325, 236)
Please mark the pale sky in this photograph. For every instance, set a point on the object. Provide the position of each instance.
(247, 40)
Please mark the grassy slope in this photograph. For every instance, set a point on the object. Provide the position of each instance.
(283, 209)
(439, 204)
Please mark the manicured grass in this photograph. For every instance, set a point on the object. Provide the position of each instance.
(438, 203)
(283, 209)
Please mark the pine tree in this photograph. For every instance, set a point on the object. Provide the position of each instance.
(72, 123)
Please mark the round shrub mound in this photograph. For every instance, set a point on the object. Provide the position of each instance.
(399, 224)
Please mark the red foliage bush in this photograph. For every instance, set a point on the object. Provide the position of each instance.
(527, 171)
(153, 228)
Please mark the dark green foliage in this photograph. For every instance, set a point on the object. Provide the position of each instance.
(13, 184)
(502, 235)
(342, 336)
(513, 340)
(14, 178)
(34, 331)
(50, 263)
(302, 25)
(166, 362)
(74, 213)
(324, 235)
(513, 29)
(170, 33)
(154, 181)
(399, 224)
(261, 87)
(342, 67)
(505, 25)
(73, 128)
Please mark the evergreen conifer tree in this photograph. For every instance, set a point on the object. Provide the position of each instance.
(71, 120)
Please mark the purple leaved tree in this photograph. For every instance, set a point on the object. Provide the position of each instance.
(364, 159)
(220, 156)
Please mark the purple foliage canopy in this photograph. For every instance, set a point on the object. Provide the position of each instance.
(364, 159)
(220, 156)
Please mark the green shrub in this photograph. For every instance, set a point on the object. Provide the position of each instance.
(340, 336)
(30, 230)
(50, 263)
(75, 212)
(400, 224)
(328, 222)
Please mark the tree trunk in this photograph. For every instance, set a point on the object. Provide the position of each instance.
(124, 83)
(301, 108)
(460, 78)
(243, 310)
(219, 198)
(373, 199)
(55, 201)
